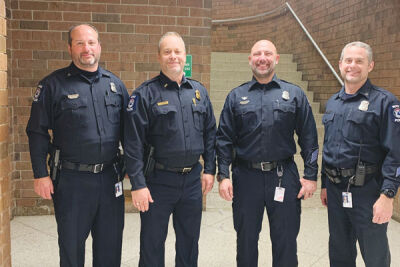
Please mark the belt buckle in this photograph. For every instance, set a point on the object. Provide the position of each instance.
(186, 170)
(265, 166)
(98, 168)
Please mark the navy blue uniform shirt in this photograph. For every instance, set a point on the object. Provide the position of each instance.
(84, 114)
(177, 121)
(259, 121)
(366, 124)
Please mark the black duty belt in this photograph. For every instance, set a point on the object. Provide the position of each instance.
(182, 170)
(94, 168)
(265, 166)
(337, 175)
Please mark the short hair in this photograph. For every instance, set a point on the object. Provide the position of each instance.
(359, 44)
(73, 27)
(170, 34)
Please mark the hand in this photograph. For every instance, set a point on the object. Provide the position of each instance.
(324, 197)
(382, 210)
(308, 188)
(207, 182)
(44, 187)
(141, 199)
(226, 189)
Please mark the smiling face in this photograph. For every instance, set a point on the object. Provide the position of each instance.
(262, 60)
(354, 66)
(172, 57)
(85, 48)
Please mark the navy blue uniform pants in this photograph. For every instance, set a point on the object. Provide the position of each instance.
(253, 191)
(179, 195)
(347, 225)
(85, 202)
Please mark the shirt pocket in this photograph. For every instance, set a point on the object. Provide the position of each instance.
(284, 115)
(359, 126)
(165, 119)
(327, 121)
(246, 118)
(74, 112)
(113, 106)
(199, 112)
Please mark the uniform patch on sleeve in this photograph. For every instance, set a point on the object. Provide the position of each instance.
(37, 93)
(132, 103)
(398, 172)
(395, 110)
(314, 156)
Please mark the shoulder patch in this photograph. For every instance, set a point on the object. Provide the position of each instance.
(132, 103)
(37, 93)
(395, 111)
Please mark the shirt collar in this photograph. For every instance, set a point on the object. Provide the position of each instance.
(364, 91)
(73, 70)
(275, 82)
(168, 83)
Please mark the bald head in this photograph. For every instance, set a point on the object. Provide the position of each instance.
(264, 44)
(262, 60)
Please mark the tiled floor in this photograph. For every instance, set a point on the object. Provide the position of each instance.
(34, 240)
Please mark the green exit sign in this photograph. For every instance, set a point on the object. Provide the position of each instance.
(188, 66)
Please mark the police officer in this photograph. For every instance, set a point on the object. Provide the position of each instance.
(257, 123)
(82, 105)
(361, 162)
(173, 115)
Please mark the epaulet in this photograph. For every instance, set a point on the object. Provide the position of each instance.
(289, 82)
(147, 82)
(244, 83)
(193, 80)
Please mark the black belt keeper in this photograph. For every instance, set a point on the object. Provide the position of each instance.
(94, 168)
(265, 166)
(182, 170)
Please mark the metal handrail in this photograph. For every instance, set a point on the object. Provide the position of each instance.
(286, 5)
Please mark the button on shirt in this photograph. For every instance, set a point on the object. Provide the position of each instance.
(178, 121)
(366, 124)
(258, 121)
(84, 114)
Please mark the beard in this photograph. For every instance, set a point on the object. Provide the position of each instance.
(264, 73)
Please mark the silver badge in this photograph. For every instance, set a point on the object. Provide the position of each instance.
(363, 105)
(285, 95)
(113, 88)
(244, 97)
(244, 102)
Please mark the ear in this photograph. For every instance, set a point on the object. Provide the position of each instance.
(371, 66)
(277, 58)
(249, 59)
(69, 49)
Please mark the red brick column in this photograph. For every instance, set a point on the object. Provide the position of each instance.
(5, 189)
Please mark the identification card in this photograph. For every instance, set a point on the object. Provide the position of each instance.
(347, 200)
(279, 194)
(118, 189)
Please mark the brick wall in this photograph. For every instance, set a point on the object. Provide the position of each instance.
(129, 33)
(5, 165)
(332, 24)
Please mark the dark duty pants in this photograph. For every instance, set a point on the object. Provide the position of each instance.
(253, 191)
(85, 202)
(179, 195)
(347, 225)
